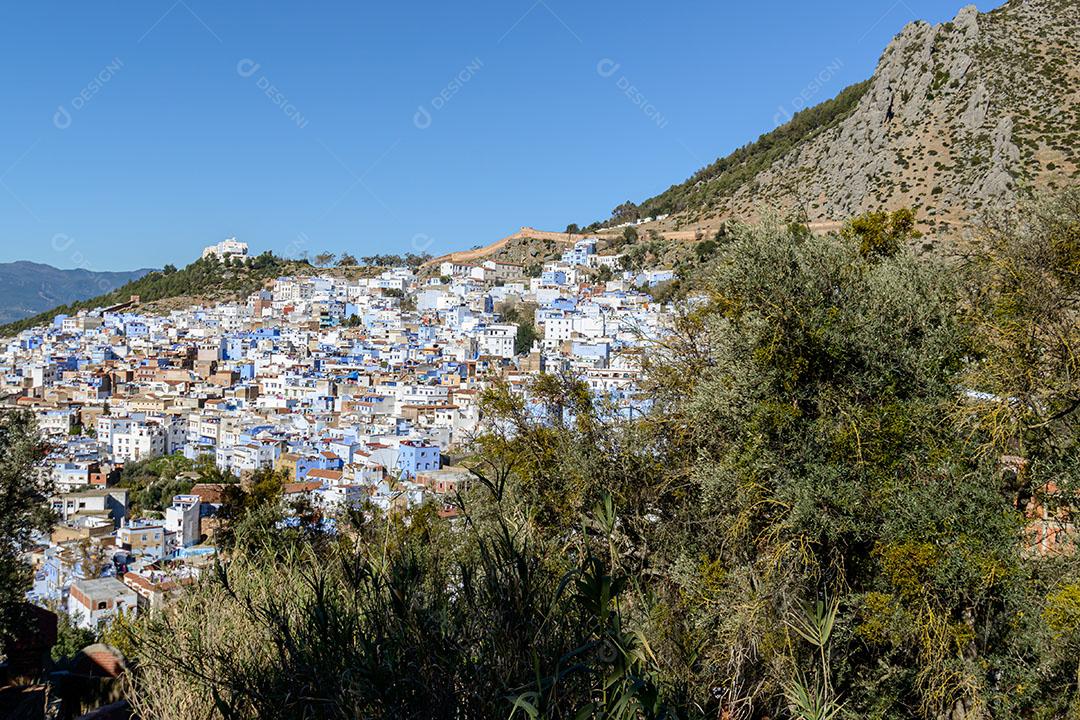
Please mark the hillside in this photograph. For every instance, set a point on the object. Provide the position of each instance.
(205, 280)
(957, 117)
(28, 288)
(527, 244)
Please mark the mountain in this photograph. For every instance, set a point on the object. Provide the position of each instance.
(28, 288)
(957, 118)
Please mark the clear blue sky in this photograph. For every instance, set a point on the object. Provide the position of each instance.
(135, 133)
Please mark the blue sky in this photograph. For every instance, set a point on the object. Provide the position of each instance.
(135, 133)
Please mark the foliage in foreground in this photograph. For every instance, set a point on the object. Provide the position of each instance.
(400, 620)
(811, 517)
(23, 511)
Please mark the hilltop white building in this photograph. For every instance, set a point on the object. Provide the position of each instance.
(227, 249)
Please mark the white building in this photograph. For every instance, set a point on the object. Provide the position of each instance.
(142, 537)
(72, 475)
(245, 458)
(334, 498)
(99, 600)
(558, 326)
(56, 423)
(141, 441)
(227, 249)
(108, 503)
(182, 520)
(498, 340)
(290, 290)
(109, 425)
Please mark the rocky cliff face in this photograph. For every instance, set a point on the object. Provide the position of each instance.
(958, 117)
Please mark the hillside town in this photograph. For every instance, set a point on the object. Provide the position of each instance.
(356, 393)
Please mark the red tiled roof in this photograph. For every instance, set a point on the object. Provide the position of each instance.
(300, 487)
(325, 474)
(208, 492)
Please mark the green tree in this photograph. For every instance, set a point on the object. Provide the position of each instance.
(152, 484)
(813, 433)
(877, 233)
(705, 249)
(626, 212)
(259, 501)
(526, 336)
(92, 558)
(70, 636)
(24, 490)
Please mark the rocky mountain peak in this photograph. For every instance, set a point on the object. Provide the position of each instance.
(957, 117)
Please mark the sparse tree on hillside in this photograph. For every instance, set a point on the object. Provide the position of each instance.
(705, 249)
(415, 260)
(627, 212)
(879, 232)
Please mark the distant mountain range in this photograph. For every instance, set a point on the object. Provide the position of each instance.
(27, 288)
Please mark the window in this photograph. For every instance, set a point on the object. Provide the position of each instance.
(101, 606)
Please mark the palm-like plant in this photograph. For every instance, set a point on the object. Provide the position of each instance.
(814, 699)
